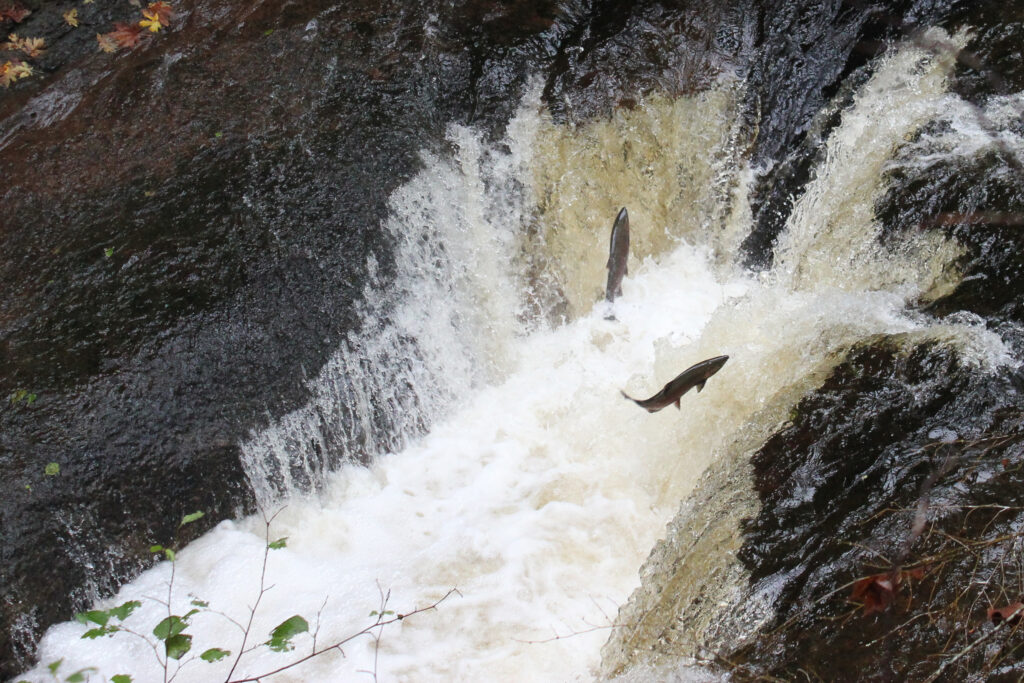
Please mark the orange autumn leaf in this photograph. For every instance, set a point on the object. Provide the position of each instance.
(156, 16)
(162, 11)
(106, 42)
(6, 75)
(11, 71)
(126, 35)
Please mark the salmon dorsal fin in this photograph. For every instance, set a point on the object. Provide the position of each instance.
(701, 386)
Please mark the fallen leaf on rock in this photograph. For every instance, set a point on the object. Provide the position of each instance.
(15, 13)
(1012, 612)
(126, 35)
(71, 16)
(876, 592)
(13, 70)
(156, 16)
(33, 47)
(106, 42)
(162, 11)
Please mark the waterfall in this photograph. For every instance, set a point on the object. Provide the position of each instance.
(482, 392)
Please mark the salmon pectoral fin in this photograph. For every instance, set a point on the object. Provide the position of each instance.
(679, 407)
(701, 386)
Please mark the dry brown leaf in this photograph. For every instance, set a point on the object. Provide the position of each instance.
(126, 35)
(1012, 612)
(15, 13)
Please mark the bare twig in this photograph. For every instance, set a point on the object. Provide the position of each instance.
(978, 641)
(263, 589)
(337, 645)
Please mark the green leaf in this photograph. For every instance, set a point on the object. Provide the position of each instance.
(169, 627)
(121, 678)
(52, 469)
(94, 633)
(178, 645)
(123, 611)
(108, 252)
(218, 134)
(200, 603)
(156, 548)
(53, 666)
(80, 675)
(214, 654)
(30, 399)
(279, 543)
(96, 616)
(170, 554)
(268, 32)
(280, 637)
(188, 519)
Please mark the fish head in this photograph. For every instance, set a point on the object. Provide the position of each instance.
(714, 365)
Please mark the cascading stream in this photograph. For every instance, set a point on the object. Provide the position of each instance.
(504, 462)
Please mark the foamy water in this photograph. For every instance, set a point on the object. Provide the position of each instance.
(538, 491)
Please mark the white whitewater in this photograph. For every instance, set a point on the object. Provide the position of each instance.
(538, 491)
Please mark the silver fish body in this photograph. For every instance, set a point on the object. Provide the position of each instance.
(618, 253)
(693, 376)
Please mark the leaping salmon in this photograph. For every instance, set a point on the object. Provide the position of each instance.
(693, 376)
(618, 252)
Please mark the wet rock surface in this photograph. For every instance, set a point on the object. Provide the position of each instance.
(903, 466)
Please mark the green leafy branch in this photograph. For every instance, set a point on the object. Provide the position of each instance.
(170, 640)
(384, 618)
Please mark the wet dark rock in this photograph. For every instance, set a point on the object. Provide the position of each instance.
(892, 429)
